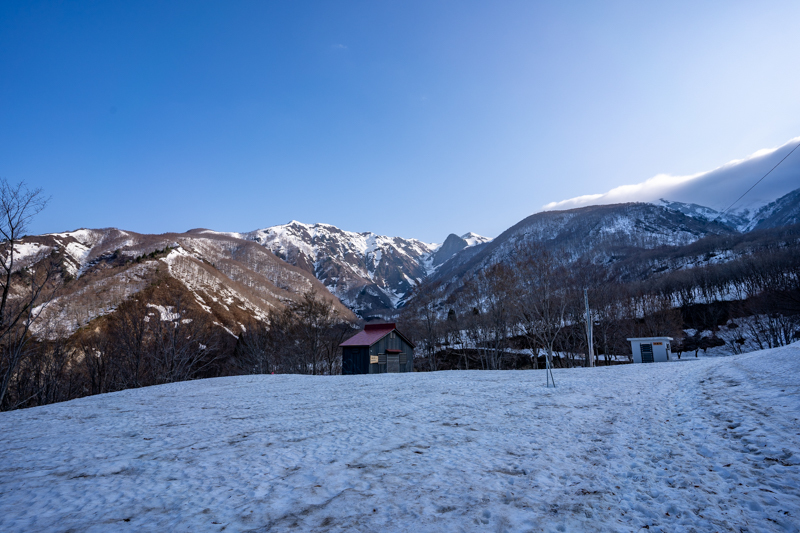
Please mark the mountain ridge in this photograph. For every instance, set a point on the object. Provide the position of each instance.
(365, 272)
(235, 280)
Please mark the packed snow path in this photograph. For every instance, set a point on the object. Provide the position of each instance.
(699, 445)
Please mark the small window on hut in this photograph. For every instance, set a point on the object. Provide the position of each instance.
(391, 335)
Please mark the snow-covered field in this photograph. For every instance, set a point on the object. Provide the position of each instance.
(705, 445)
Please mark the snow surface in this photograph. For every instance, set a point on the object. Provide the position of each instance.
(705, 445)
(26, 253)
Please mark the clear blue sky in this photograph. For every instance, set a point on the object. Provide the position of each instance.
(405, 118)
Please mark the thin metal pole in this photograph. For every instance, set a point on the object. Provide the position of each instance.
(589, 332)
(547, 370)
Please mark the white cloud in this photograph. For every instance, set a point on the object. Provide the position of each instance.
(716, 188)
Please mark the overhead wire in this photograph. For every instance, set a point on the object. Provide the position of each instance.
(756, 183)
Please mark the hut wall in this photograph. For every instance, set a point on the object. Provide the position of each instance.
(403, 362)
(355, 360)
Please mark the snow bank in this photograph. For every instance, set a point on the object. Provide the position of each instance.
(706, 445)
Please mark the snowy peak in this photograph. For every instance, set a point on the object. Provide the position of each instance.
(454, 244)
(364, 270)
(473, 239)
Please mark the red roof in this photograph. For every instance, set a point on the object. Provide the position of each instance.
(372, 333)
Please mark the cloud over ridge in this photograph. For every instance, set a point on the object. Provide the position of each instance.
(716, 188)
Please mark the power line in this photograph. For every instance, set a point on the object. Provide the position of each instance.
(756, 183)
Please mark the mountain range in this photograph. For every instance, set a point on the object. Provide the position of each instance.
(238, 277)
(365, 271)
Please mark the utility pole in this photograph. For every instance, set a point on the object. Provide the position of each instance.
(589, 336)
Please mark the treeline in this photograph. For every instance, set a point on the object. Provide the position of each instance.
(139, 344)
(302, 338)
(143, 343)
(530, 307)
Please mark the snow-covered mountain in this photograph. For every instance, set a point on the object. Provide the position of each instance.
(233, 279)
(473, 239)
(365, 271)
(737, 219)
(620, 234)
(255, 271)
(607, 233)
(783, 211)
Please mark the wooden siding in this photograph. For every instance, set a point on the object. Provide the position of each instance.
(392, 341)
(356, 359)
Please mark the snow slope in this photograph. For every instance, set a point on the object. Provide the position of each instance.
(699, 445)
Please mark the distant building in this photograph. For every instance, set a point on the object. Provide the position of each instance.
(378, 349)
(651, 349)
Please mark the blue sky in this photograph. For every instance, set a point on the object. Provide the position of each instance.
(414, 119)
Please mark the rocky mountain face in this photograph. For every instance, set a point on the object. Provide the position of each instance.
(233, 279)
(364, 270)
(454, 244)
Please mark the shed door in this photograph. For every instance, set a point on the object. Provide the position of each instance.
(393, 363)
(647, 353)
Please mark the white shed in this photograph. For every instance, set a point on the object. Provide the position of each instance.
(651, 349)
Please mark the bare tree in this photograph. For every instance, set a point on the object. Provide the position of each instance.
(315, 317)
(430, 325)
(497, 282)
(254, 352)
(184, 343)
(542, 296)
(302, 338)
(129, 345)
(24, 291)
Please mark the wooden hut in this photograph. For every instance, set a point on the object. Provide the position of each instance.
(378, 349)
